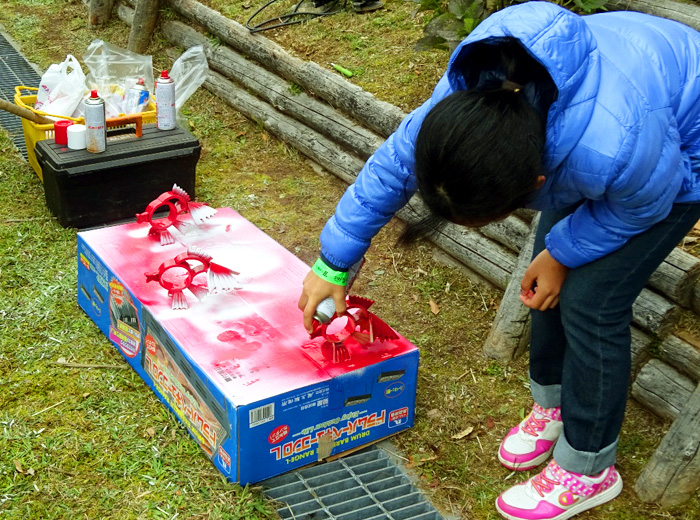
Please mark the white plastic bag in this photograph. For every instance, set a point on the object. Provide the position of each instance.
(188, 72)
(113, 71)
(62, 88)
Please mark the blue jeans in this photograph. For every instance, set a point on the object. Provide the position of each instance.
(580, 350)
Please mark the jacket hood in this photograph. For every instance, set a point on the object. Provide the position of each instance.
(562, 42)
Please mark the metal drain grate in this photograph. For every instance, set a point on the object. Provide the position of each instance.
(365, 486)
(14, 71)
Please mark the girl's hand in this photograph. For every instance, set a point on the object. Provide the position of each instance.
(541, 284)
(314, 292)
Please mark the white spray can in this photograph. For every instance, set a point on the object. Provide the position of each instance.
(136, 98)
(95, 123)
(165, 102)
(326, 309)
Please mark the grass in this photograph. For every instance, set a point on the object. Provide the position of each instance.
(95, 443)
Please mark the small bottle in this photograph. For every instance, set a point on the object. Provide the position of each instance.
(136, 98)
(165, 102)
(95, 123)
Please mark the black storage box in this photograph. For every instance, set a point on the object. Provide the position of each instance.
(86, 189)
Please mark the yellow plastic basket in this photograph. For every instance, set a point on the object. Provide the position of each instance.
(34, 132)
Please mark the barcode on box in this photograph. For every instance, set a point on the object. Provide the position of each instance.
(258, 416)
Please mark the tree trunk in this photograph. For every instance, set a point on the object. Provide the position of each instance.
(99, 12)
(143, 24)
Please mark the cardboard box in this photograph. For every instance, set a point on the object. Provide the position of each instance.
(237, 368)
(86, 189)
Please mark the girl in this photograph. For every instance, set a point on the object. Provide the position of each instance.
(595, 121)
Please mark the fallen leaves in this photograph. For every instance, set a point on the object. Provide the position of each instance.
(434, 307)
(473, 431)
(21, 470)
(415, 461)
(464, 433)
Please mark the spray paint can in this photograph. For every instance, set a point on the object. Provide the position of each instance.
(136, 98)
(165, 102)
(95, 123)
(326, 309)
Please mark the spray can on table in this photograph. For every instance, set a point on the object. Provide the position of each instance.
(326, 309)
(96, 123)
(165, 102)
(136, 98)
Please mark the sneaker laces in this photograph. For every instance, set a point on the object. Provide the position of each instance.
(534, 425)
(543, 484)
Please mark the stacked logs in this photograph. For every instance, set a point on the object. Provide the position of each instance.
(253, 75)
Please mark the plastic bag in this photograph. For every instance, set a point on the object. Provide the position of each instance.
(188, 72)
(62, 88)
(113, 71)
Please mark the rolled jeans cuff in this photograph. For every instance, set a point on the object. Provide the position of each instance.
(584, 462)
(547, 396)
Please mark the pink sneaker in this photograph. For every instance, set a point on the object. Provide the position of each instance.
(531, 442)
(557, 494)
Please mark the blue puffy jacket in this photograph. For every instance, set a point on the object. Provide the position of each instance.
(623, 134)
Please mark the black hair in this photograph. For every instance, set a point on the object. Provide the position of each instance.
(478, 152)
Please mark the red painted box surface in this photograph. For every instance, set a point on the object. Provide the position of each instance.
(238, 368)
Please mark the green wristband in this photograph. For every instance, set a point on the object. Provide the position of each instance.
(330, 275)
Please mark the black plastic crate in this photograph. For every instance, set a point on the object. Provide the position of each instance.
(86, 189)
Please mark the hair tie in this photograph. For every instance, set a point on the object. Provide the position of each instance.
(511, 85)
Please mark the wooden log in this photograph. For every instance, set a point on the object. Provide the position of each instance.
(695, 298)
(482, 255)
(525, 213)
(276, 91)
(662, 389)
(380, 116)
(672, 475)
(654, 313)
(24, 113)
(510, 332)
(312, 144)
(676, 277)
(99, 12)
(512, 232)
(683, 12)
(143, 24)
(641, 344)
(681, 355)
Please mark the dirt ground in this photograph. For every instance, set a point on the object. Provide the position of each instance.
(418, 292)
